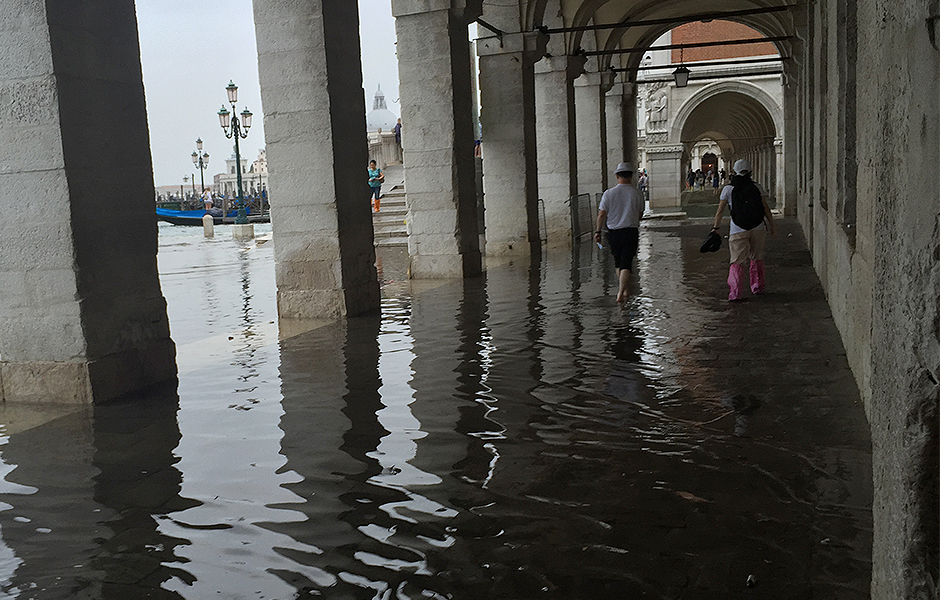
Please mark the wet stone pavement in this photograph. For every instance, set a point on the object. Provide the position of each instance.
(514, 436)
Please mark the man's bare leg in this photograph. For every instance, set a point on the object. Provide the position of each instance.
(623, 275)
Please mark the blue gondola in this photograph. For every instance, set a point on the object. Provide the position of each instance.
(194, 217)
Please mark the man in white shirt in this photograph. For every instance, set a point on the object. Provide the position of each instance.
(620, 210)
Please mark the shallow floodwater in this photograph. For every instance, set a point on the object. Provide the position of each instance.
(513, 436)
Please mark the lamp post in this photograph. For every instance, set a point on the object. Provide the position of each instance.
(201, 160)
(235, 128)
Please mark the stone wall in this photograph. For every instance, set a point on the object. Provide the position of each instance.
(869, 206)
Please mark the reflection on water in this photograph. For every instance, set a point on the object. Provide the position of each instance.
(512, 436)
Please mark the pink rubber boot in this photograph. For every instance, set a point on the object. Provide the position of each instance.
(757, 276)
(736, 282)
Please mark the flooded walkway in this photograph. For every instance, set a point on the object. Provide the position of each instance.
(511, 437)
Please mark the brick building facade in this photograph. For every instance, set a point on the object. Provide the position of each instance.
(715, 31)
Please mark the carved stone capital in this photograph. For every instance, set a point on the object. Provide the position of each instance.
(531, 45)
(467, 10)
(573, 66)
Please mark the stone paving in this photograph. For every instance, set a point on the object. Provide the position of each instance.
(513, 436)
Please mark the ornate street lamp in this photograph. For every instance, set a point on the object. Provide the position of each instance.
(201, 160)
(236, 128)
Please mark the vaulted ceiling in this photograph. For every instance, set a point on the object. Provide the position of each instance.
(574, 25)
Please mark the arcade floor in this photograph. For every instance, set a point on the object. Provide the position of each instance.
(514, 436)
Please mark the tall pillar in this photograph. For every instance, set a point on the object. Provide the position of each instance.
(83, 318)
(666, 178)
(311, 86)
(630, 126)
(616, 112)
(590, 90)
(791, 124)
(557, 147)
(780, 175)
(440, 173)
(510, 170)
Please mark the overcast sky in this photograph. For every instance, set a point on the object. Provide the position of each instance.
(189, 52)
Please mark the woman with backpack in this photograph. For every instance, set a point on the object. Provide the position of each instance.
(750, 221)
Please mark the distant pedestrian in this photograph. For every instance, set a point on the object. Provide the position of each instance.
(398, 133)
(620, 210)
(643, 184)
(750, 220)
(207, 198)
(376, 177)
(690, 179)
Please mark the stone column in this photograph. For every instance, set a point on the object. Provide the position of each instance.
(311, 86)
(791, 149)
(590, 90)
(510, 175)
(616, 112)
(557, 148)
(82, 318)
(630, 126)
(434, 69)
(666, 178)
(780, 176)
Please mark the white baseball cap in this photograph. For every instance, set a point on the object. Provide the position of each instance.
(742, 166)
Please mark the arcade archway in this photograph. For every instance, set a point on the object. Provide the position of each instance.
(744, 121)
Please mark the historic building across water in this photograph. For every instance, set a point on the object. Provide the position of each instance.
(854, 147)
(254, 176)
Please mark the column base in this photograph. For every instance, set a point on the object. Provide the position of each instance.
(510, 249)
(89, 381)
(243, 232)
(302, 305)
(445, 266)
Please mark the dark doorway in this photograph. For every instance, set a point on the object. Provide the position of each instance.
(709, 161)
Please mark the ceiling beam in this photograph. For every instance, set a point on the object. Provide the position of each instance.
(707, 77)
(717, 63)
(728, 139)
(708, 16)
(740, 42)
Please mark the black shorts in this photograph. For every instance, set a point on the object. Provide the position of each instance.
(623, 245)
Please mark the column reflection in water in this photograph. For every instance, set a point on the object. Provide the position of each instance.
(82, 514)
(329, 383)
(386, 446)
(230, 415)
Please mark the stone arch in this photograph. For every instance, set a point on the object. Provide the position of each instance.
(760, 98)
(771, 24)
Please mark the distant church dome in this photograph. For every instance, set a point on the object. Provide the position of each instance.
(380, 117)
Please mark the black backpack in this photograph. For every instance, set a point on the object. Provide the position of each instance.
(747, 210)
